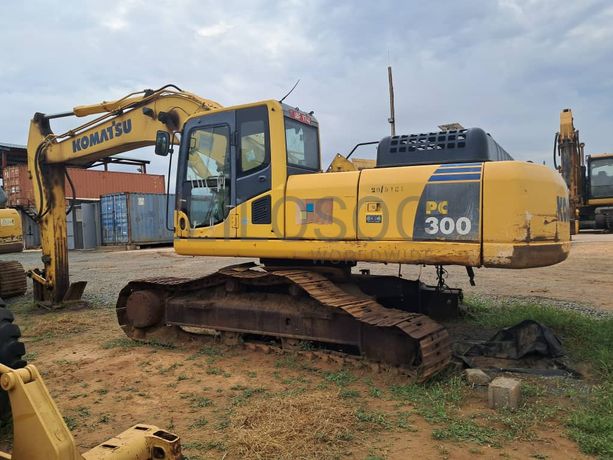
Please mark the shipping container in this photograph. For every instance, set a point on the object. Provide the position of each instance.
(89, 184)
(31, 231)
(136, 218)
(82, 227)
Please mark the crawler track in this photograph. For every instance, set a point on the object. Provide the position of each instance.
(289, 305)
(13, 280)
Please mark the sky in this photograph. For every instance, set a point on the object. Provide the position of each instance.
(507, 66)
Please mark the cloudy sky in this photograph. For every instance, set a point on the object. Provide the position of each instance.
(507, 66)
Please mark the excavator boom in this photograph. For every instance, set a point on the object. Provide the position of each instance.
(125, 124)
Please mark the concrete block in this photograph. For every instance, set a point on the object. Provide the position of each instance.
(504, 392)
(476, 377)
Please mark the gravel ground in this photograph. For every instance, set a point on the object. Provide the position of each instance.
(581, 283)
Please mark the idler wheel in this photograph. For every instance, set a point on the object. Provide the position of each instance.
(144, 308)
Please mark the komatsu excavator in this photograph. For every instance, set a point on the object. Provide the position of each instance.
(249, 184)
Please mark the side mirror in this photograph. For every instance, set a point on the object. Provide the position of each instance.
(162, 143)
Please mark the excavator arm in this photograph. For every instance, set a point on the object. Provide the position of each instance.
(124, 124)
(572, 164)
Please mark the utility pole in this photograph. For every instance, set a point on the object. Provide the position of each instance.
(392, 118)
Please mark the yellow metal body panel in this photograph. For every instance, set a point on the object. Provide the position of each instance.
(11, 232)
(602, 155)
(342, 164)
(39, 431)
(393, 194)
(525, 215)
(567, 128)
(321, 206)
(522, 221)
(600, 202)
(413, 252)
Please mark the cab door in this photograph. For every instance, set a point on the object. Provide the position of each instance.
(206, 178)
(254, 199)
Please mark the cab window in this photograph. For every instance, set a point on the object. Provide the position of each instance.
(601, 176)
(302, 145)
(208, 177)
(254, 143)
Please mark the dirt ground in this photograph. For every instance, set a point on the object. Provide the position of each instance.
(226, 402)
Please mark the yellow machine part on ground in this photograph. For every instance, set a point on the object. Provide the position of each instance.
(11, 233)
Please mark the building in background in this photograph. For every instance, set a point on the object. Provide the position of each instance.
(84, 224)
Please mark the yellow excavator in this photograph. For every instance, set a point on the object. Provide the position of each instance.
(589, 179)
(13, 281)
(249, 184)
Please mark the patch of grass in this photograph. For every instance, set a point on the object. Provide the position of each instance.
(346, 393)
(402, 421)
(375, 392)
(222, 424)
(212, 370)
(126, 342)
(293, 362)
(467, 430)
(199, 423)
(434, 401)
(341, 378)
(71, 422)
(586, 339)
(592, 425)
(211, 351)
(372, 456)
(204, 446)
(519, 424)
(373, 418)
(200, 401)
(245, 394)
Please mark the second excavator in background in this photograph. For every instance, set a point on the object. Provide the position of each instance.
(13, 281)
(249, 184)
(589, 179)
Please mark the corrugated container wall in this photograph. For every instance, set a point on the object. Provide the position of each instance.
(136, 218)
(89, 184)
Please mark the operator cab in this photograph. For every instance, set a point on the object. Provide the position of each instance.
(600, 176)
(226, 159)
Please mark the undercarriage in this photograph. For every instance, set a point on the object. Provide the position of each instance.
(382, 319)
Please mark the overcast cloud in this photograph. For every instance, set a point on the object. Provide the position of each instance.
(507, 66)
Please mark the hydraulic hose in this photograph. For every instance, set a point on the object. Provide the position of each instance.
(555, 150)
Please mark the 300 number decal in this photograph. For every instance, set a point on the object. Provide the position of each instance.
(447, 225)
